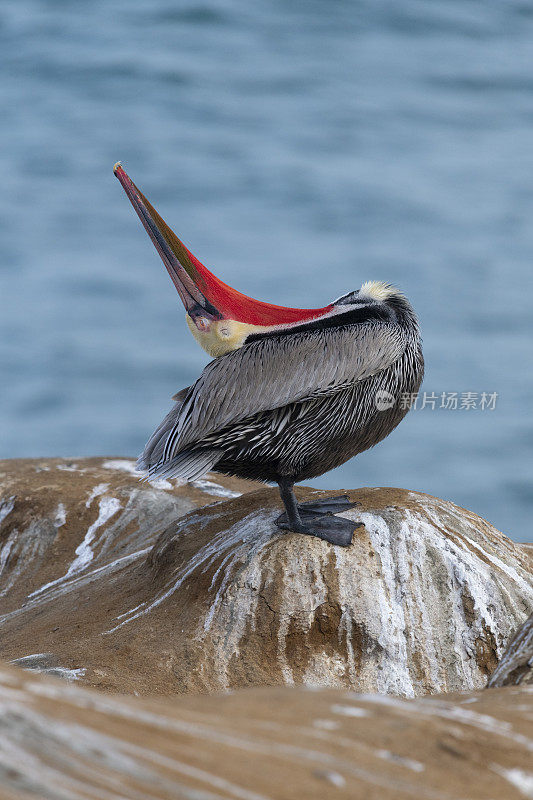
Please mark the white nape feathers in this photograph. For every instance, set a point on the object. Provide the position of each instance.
(379, 290)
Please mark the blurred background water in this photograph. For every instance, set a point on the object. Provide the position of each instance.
(298, 149)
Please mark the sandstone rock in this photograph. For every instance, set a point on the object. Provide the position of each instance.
(65, 742)
(516, 665)
(423, 601)
(63, 518)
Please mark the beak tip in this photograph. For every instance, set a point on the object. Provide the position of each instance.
(117, 167)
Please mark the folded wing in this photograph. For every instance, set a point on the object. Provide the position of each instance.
(271, 373)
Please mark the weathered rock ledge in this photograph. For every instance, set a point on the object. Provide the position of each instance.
(144, 588)
(516, 664)
(66, 742)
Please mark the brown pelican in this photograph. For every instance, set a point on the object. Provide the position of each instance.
(291, 392)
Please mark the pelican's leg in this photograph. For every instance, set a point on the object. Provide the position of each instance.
(316, 518)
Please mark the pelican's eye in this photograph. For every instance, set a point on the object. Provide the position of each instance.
(202, 323)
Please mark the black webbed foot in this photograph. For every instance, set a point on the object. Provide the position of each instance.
(335, 530)
(317, 508)
(316, 518)
(329, 505)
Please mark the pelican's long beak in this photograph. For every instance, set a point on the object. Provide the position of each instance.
(207, 300)
(176, 258)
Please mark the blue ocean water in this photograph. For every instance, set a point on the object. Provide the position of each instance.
(298, 149)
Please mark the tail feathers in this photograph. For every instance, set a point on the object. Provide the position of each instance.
(189, 465)
(153, 451)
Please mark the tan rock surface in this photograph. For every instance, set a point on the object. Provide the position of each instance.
(423, 601)
(64, 742)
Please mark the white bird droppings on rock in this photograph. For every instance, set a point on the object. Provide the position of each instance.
(60, 515)
(214, 488)
(107, 507)
(126, 465)
(519, 778)
(6, 507)
(349, 711)
(96, 492)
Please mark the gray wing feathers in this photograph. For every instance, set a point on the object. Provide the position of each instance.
(274, 372)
